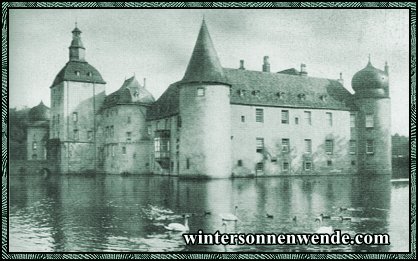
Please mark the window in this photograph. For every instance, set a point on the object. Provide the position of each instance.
(308, 165)
(239, 163)
(296, 120)
(259, 166)
(285, 166)
(162, 147)
(329, 118)
(308, 117)
(34, 145)
(353, 147)
(285, 117)
(149, 129)
(242, 118)
(58, 119)
(128, 136)
(75, 133)
(77, 73)
(329, 163)
(259, 145)
(369, 121)
(200, 92)
(285, 145)
(259, 115)
(179, 121)
(353, 162)
(89, 74)
(352, 120)
(329, 146)
(124, 150)
(308, 146)
(129, 119)
(369, 147)
(113, 149)
(89, 135)
(187, 163)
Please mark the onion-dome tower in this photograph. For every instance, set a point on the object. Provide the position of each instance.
(373, 123)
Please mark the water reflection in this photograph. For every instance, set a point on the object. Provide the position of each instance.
(113, 213)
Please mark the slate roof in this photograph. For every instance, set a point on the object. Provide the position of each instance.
(267, 89)
(39, 113)
(86, 73)
(276, 89)
(204, 65)
(131, 92)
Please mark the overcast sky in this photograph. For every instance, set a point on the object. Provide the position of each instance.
(157, 44)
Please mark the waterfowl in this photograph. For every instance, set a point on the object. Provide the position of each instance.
(179, 227)
(229, 216)
(323, 229)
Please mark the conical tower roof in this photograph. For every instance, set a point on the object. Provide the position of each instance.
(204, 65)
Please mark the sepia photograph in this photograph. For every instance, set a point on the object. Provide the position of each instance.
(182, 131)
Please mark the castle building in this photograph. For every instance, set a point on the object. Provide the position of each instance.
(220, 122)
(38, 132)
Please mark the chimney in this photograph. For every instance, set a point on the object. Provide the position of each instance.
(341, 80)
(303, 71)
(241, 65)
(386, 68)
(266, 64)
(145, 81)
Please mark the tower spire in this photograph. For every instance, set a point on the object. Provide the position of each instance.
(77, 50)
(204, 65)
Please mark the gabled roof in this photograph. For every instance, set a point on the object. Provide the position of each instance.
(131, 92)
(204, 65)
(78, 71)
(277, 89)
(267, 89)
(167, 105)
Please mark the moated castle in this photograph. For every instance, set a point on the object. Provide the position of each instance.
(215, 122)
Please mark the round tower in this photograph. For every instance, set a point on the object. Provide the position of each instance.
(373, 123)
(205, 113)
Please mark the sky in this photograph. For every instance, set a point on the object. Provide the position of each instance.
(157, 44)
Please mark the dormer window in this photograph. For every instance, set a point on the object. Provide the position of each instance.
(256, 93)
(136, 94)
(323, 97)
(302, 96)
(77, 73)
(280, 95)
(241, 92)
(89, 74)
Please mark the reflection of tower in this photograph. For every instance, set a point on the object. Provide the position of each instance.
(371, 88)
(205, 146)
(76, 93)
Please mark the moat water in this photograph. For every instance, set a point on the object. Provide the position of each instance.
(115, 213)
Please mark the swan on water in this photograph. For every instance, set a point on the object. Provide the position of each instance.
(178, 226)
(229, 216)
(323, 229)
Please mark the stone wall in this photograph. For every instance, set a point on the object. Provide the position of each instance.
(205, 136)
(245, 131)
(380, 161)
